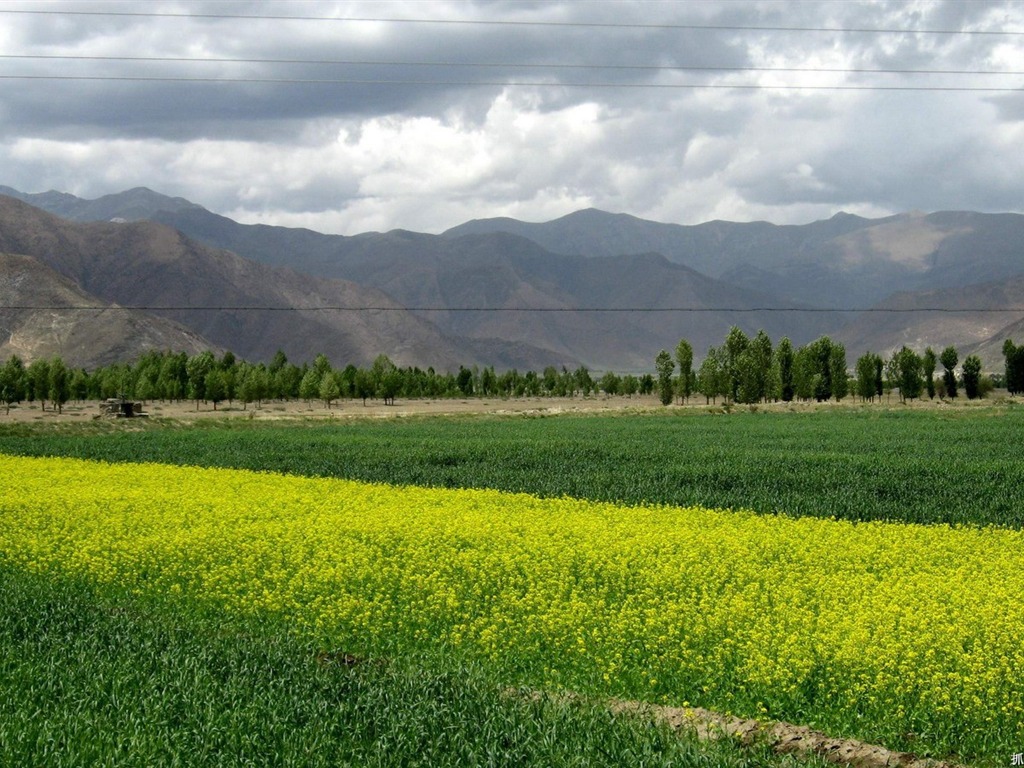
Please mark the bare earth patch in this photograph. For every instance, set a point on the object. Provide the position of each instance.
(781, 737)
(784, 738)
(345, 409)
(527, 406)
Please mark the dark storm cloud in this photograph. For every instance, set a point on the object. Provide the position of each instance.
(434, 122)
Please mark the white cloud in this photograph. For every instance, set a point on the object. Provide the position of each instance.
(347, 158)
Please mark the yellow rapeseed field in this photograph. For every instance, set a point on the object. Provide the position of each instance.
(900, 628)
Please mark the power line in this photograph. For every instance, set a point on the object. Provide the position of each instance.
(514, 83)
(566, 310)
(518, 23)
(506, 65)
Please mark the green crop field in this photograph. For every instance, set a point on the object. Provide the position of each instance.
(91, 676)
(957, 467)
(162, 615)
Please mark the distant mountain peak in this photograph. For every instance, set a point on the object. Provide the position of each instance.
(134, 204)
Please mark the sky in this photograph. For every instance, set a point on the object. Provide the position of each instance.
(348, 117)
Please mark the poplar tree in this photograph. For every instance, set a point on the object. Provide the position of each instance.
(1014, 367)
(865, 370)
(710, 377)
(12, 382)
(684, 357)
(908, 373)
(949, 359)
(972, 377)
(58, 383)
(929, 361)
(664, 366)
(736, 343)
(784, 359)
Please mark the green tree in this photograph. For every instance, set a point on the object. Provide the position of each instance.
(909, 369)
(145, 387)
(172, 381)
(59, 384)
(330, 388)
(12, 382)
(610, 383)
(949, 359)
(197, 367)
(805, 373)
(837, 371)
(1014, 367)
(582, 380)
(819, 370)
(736, 343)
(929, 361)
(464, 381)
(381, 367)
(489, 382)
(37, 377)
(322, 365)
(363, 385)
(390, 385)
(663, 365)
(309, 387)
(229, 368)
(684, 358)
(79, 384)
(712, 378)
(754, 368)
(865, 372)
(972, 377)
(892, 374)
(784, 360)
(215, 386)
(630, 385)
(247, 384)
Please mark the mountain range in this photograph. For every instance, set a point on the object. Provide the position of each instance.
(592, 288)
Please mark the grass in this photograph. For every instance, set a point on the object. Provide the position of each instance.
(92, 676)
(922, 466)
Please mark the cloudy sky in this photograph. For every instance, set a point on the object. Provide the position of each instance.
(354, 116)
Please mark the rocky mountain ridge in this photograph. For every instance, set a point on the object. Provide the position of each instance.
(605, 290)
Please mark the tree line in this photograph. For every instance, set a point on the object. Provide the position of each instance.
(740, 370)
(204, 377)
(752, 370)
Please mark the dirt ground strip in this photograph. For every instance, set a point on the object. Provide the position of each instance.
(781, 737)
(373, 409)
(345, 409)
(784, 738)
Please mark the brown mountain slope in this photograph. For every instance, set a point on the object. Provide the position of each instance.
(967, 321)
(146, 264)
(101, 335)
(508, 272)
(845, 261)
(991, 350)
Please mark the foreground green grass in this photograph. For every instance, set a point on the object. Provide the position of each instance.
(90, 677)
(923, 466)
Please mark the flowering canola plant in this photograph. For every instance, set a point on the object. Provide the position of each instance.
(877, 629)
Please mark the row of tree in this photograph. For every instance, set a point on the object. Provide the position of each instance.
(752, 370)
(203, 377)
(741, 370)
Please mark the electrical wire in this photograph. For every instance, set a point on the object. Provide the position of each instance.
(517, 83)
(508, 65)
(340, 308)
(515, 23)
